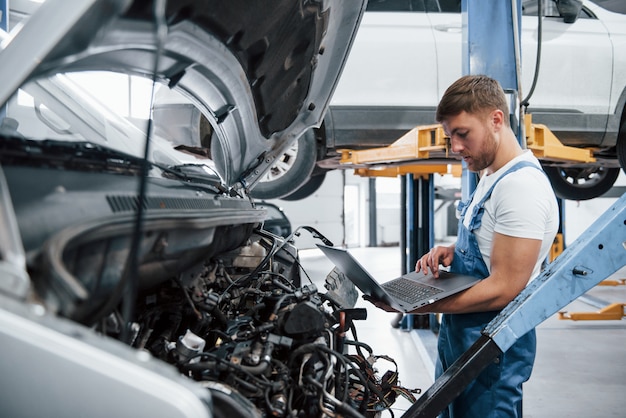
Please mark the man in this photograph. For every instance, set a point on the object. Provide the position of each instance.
(505, 233)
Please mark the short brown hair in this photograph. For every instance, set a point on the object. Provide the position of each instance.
(472, 94)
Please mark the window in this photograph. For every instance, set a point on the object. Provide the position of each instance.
(443, 6)
(615, 6)
(396, 5)
(550, 9)
(436, 6)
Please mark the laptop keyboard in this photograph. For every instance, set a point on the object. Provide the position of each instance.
(409, 291)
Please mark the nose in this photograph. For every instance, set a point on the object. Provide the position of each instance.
(455, 145)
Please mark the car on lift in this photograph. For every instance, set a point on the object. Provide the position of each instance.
(408, 51)
(135, 276)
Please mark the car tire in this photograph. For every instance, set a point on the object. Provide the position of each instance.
(575, 183)
(291, 172)
(621, 147)
(308, 188)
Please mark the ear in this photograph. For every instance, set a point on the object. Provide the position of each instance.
(497, 119)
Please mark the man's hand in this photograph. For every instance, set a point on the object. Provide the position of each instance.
(436, 256)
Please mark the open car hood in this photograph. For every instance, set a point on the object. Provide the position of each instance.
(156, 284)
(261, 73)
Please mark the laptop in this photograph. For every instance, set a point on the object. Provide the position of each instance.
(405, 293)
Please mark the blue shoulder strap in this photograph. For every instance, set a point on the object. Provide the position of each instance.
(476, 212)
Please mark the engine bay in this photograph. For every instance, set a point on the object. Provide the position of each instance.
(244, 326)
(202, 287)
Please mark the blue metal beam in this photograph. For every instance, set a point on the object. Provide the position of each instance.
(597, 253)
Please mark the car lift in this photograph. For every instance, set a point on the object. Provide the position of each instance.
(607, 311)
(491, 46)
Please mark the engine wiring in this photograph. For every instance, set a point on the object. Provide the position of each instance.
(252, 327)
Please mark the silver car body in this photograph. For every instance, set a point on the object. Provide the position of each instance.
(260, 73)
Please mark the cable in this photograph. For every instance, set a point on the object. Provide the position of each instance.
(188, 364)
(525, 102)
(130, 274)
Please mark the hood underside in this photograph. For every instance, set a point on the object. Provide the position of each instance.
(261, 72)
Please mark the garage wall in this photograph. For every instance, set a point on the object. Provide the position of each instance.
(349, 225)
(323, 211)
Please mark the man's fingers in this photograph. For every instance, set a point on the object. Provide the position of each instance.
(433, 263)
(424, 263)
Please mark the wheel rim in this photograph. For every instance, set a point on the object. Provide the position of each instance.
(583, 177)
(282, 165)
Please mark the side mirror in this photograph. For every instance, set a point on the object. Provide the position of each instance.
(569, 9)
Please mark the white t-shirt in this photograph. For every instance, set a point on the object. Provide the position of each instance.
(522, 204)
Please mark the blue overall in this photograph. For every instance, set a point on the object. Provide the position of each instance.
(497, 391)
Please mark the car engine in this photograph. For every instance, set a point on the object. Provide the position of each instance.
(243, 325)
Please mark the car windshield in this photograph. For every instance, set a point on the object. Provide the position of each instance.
(616, 6)
(105, 115)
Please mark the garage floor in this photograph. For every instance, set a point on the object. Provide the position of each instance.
(580, 370)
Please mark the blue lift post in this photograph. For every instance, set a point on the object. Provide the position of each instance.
(418, 199)
(491, 47)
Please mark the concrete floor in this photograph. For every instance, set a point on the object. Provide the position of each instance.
(580, 370)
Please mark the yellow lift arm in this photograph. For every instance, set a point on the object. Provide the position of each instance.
(425, 149)
(612, 311)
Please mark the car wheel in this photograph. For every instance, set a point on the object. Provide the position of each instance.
(308, 188)
(575, 183)
(290, 172)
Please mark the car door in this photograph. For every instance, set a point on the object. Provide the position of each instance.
(573, 87)
(392, 61)
(389, 83)
(444, 17)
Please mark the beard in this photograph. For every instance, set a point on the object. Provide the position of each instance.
(483, 157)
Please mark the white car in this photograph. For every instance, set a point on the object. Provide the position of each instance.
(407, 52)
